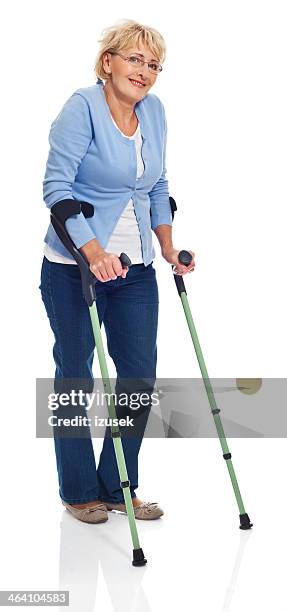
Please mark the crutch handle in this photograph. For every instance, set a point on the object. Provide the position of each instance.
(60, 212)
(125, 260)
(185, 257)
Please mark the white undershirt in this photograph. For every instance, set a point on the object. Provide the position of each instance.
(126, 235)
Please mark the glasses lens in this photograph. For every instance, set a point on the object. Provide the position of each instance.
(154, 67)
(137, 61)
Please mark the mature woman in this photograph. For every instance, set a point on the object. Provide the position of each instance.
(108, 147)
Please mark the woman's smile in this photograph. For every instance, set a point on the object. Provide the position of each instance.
(136, 83)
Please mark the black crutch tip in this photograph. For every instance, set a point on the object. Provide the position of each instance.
(138, 557)
(245, 522)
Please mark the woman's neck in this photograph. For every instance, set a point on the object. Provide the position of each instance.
(121, 111)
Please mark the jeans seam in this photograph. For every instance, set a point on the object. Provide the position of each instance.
(54, 315)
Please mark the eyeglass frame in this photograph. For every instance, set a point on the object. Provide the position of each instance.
(140, 59)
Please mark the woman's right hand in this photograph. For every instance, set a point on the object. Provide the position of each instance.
(107, 266)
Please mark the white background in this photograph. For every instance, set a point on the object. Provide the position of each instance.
(224, 91)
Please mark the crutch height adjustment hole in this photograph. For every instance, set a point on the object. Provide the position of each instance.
(116, 434)
(125, 484)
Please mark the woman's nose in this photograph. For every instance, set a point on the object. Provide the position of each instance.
(144, 71)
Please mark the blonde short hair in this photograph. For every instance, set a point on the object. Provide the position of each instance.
(124, 34)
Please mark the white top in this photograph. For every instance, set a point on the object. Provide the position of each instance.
(126, 235)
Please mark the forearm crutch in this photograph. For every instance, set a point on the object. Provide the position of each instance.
(60, 212)
(185, 258)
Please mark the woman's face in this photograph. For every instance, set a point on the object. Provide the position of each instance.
(121, 72)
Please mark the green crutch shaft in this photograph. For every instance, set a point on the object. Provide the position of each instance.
(212, 401)
(185, 258)
(112, 414)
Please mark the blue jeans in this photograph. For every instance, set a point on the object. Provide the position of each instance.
(129, 309)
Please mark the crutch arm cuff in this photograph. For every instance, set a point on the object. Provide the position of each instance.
(60, 212)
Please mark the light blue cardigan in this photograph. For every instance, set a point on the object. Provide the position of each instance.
(90, 160)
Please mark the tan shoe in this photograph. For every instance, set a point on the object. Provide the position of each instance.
(97, 513)
(145, 511)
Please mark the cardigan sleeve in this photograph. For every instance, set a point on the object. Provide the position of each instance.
(69, 139)
(159, 195)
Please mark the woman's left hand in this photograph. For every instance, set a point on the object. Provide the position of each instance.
(171, 256)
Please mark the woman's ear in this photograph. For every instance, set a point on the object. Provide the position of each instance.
(106, 59)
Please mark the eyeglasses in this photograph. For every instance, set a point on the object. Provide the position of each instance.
(135, 60)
